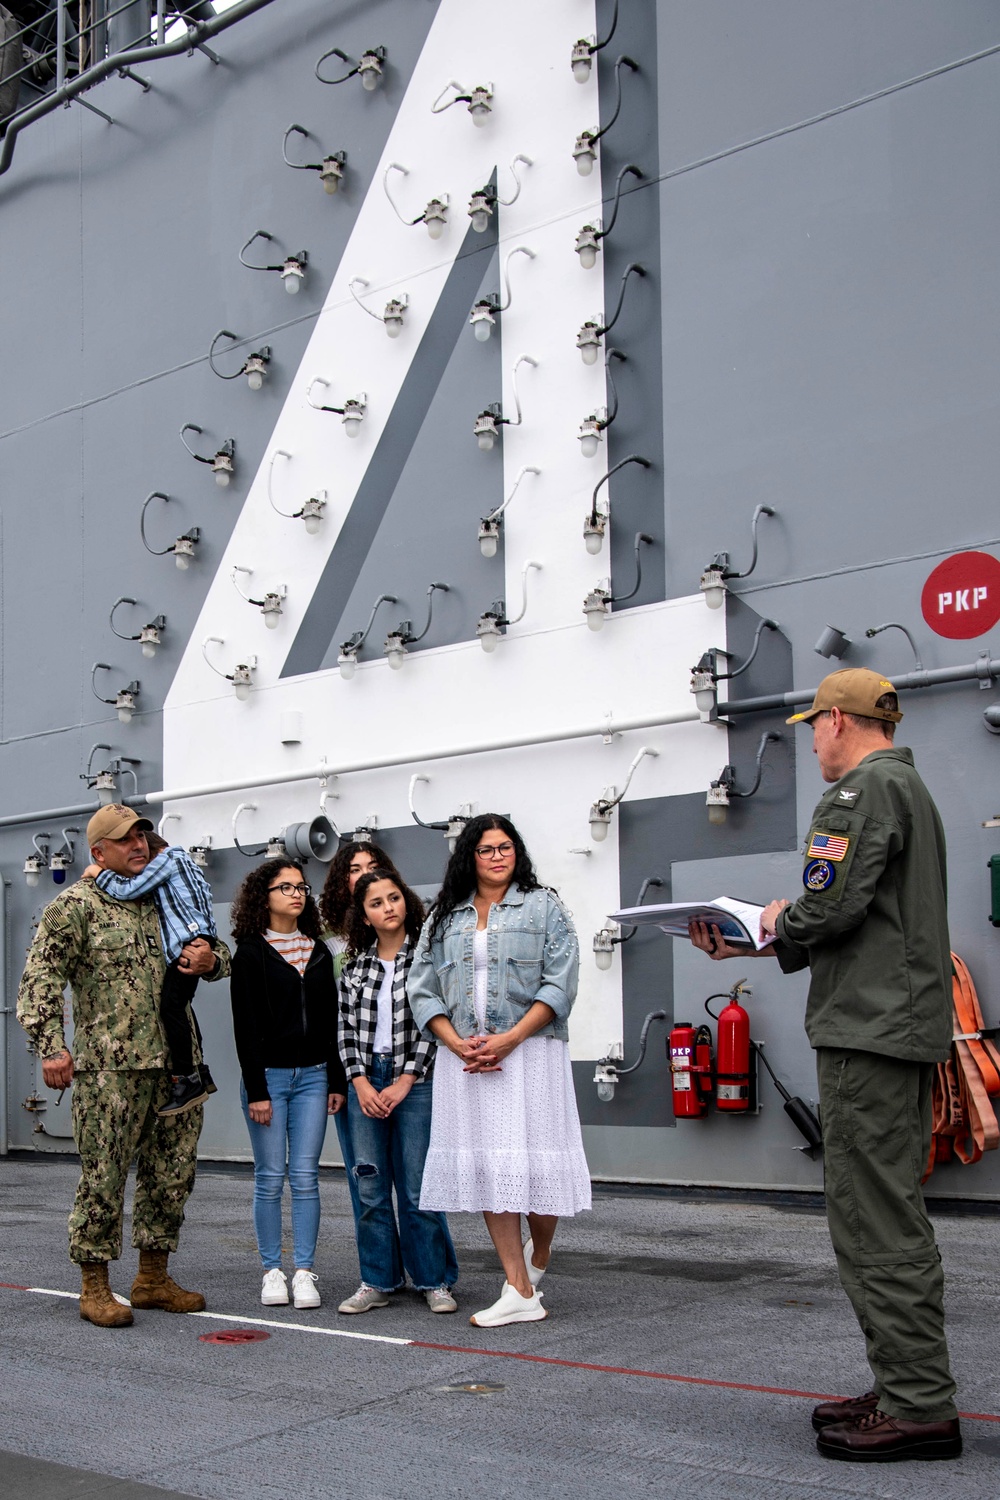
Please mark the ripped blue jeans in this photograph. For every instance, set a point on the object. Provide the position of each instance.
(390, 1154)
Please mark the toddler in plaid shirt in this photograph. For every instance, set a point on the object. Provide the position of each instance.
(184, 907)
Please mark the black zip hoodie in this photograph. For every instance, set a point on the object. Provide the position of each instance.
(283, 1019)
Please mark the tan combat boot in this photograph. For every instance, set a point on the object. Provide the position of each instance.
(154, 1288)
(97, 1304)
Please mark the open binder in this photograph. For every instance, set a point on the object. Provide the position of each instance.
(738, 921)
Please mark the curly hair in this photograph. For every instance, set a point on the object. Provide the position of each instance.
(460, 877)
(360, 935)
(250, 915)
(335, 900)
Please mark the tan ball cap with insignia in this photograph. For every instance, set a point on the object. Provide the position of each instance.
(114, 822)
(854, 690)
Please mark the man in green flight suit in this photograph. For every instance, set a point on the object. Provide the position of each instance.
(872, 927)
(110, 953)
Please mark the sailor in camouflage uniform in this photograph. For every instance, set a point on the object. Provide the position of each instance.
(109, 952)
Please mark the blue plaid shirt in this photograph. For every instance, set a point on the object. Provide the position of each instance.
(182, 894)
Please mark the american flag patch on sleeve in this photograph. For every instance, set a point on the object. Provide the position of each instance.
(828, 846)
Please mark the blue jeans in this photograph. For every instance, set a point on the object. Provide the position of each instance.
(390, 1153)
(347, 1152)
(292, 1141)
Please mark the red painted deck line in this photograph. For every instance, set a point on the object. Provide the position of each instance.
(727, 1385)
(535, 1359)
(575, 1364)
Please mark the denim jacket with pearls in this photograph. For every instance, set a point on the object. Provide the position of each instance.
(532, 954)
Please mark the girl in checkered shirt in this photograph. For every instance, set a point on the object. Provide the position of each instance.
(388, 1063)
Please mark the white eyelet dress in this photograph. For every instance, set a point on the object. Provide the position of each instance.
(506, 1142)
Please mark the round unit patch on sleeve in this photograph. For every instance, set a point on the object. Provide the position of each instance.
(818, 875)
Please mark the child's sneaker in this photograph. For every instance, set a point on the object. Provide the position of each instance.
(185, 1092)
(364, 1299)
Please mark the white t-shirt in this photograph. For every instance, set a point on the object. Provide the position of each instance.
(383, 1023)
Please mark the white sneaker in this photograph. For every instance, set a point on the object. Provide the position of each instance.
(364, 1299)
(304, 1293)
(534, 1274)
(274, 1292)
(511, 1307)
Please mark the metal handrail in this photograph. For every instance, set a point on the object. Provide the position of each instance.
(57, 51)
(118, 62)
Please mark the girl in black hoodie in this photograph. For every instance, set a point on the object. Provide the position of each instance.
(284, 999)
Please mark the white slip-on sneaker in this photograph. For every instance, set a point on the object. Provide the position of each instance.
(534, 1274)
(304, 1292)
(364, 1299)
(274, 1292)
(440, 1300)
(511, 1307)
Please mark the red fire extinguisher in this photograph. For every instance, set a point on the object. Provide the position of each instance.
(690, 1050)
(732, 1086)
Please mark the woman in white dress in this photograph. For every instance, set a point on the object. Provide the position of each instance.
(494, 979)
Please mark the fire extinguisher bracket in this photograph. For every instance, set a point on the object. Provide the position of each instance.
(753, 1099)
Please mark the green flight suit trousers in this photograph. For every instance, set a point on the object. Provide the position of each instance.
(876, 1137)
(114, 1122)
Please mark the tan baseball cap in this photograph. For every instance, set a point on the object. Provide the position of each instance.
(114, 822)
(854, 690)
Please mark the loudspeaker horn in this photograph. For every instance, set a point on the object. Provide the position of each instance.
(315, 840)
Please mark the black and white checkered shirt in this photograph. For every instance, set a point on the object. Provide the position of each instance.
(360, 983)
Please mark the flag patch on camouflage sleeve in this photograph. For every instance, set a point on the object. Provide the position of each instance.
(827, 846)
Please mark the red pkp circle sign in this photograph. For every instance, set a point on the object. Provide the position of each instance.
(961, 598)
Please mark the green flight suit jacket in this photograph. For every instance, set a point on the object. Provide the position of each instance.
(109, 952)
(872, 925)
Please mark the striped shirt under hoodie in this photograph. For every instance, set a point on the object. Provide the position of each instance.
(294, 947)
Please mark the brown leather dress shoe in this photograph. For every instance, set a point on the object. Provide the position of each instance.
(830, 1412)
(879, 1439)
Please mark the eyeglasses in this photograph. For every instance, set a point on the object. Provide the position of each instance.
(494, 851)
(287, 889)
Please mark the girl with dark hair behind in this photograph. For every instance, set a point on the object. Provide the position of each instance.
(389, 1063)
(494, 979)
(336, 903)
(284, 999)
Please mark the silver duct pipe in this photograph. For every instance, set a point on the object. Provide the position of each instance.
(324, 770)
(52, 814)
(983, 670)
(448, 752)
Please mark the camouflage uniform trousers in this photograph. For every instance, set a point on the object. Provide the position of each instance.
(114, 1121)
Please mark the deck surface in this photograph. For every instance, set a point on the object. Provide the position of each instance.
(736, 1304)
